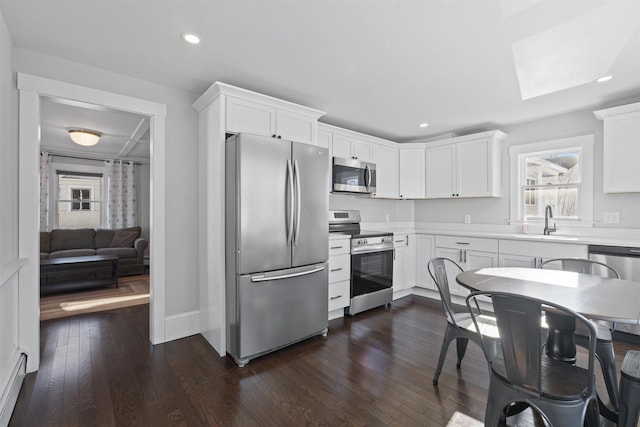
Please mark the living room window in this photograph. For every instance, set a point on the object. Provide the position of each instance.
(558, 173)
(79, 202)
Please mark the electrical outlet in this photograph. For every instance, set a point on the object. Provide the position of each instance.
(386, 217)
(611, 217)
(467, 219)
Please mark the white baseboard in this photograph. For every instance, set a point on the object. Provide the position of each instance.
(182, 325)
(12, 389)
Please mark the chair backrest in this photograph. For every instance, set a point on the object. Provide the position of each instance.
(437, 268)
(522, 337)
(581, 265)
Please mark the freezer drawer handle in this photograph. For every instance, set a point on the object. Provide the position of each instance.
(261, 278)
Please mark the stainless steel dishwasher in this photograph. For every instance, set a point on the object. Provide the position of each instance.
(626, 261)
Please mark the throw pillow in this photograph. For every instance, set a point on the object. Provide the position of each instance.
(124, 239)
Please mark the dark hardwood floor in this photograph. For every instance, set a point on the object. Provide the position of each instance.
(376, 368)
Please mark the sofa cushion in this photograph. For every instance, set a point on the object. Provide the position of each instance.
(82, 238)
(72, 252)
(104, 237)
(124, 238)
(119, 252)
(45, 242)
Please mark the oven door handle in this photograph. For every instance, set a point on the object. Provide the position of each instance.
(370, 251)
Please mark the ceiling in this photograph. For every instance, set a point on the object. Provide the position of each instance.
(379, 67)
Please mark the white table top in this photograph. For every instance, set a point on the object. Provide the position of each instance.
(594, 297)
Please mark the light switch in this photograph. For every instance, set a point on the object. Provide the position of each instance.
(467, 219)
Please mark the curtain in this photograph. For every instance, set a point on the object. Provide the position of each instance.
(44, 191)
(121, 194)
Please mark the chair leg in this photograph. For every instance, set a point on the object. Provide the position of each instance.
(461, 345)
(607, 359)
(448, 337)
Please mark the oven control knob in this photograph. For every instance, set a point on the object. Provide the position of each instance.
(361, 242)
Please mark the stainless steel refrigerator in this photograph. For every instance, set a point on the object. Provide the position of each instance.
(276, 244)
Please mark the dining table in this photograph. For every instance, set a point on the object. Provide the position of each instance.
(595, 297)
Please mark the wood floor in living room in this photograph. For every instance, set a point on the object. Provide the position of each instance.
(373, 369)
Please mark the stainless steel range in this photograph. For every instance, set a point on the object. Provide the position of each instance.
(371, 262)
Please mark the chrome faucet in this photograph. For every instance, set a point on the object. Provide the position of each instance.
(548, 214)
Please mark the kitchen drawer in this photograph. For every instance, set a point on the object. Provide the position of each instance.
(339, 246)
(339, 268)
(467, 243)
(339, 295)
(400, 240)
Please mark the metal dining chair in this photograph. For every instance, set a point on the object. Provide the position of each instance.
(520, 373)
(459, 322)
(604, 342)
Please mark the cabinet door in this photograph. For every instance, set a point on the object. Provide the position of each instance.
(295, 127)
(361, 150)
(456, 255)
(410, 262)
(399, 259)
(324, 139)
(412, 173)
(440, 172)
(525, 261)
(473, 168)
(341, 146)
(622, 153)
(424, 252)
(250, 117)
(386, 160)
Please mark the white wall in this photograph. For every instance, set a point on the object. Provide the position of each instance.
(496, 211)
(181, 153)
(9, 321)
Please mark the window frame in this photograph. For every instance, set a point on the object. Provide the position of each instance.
(56, 165)
(517, 154)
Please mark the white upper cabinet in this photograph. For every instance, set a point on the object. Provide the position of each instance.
(412, 172)
(386, 161)
(621, 154)
(349, 147)
(466, 166)
(261, 119)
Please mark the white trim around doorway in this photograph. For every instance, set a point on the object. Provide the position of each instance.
(31, 89)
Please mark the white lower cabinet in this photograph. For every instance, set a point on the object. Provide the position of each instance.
(403, 263)
(339, 276)
(424, 252)
(514, 253)
(470, 253)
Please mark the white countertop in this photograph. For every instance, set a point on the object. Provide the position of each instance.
(556, 238)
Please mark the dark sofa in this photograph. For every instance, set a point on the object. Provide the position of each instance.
(125, 243)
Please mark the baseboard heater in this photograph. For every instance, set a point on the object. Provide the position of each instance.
(10, 393)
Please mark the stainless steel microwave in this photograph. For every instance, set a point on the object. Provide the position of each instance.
(353, 176)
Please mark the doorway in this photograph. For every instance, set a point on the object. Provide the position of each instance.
(32, 90)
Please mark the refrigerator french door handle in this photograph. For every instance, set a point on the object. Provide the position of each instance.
(296, 184)
(262, 278)
(289, 200)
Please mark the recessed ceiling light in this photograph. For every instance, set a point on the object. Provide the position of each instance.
(191, 38)
(424, 125)
(604, 79)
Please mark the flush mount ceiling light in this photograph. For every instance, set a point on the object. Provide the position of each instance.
(191, 38)
(604, 79)
(84, 136)
(424, 125)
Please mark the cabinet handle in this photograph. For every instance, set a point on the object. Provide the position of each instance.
(273, 136)
(336, 297)
(336, 247)
(279, 136)
(463, 243)
(336, 269)
(465, 256)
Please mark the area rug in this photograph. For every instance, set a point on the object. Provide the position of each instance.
(458, 419)
(133, 290)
